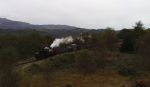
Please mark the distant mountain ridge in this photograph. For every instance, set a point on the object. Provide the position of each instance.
(10, 24)
(16, 27)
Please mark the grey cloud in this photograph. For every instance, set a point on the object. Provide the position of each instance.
(82, 13)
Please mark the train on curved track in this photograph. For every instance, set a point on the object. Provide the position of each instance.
(47, 52)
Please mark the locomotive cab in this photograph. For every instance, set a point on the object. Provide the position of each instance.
(43, 53)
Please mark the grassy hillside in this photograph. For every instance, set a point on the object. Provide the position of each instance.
(59, 71)
(116, 59)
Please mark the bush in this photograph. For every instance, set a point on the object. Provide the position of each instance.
(35, 69)
(26, 43)
(107, 40)
(86, 61)
(143, 44)
(63, 61)
(9, 78)
(125, 71)
(128, 40)
(8, 57)
(68, 85)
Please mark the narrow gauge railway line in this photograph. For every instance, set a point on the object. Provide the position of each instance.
(23, 62)
(44, 54)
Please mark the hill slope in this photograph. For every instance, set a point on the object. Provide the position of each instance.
(10, 24)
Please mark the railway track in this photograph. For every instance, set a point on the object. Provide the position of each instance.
(32, 59)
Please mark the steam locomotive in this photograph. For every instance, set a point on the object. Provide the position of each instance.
(47, 52)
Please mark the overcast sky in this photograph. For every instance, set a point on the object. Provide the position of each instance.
(81, 13)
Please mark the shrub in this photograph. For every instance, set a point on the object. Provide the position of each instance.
(9, 78)
(35, 69)
(107, 40)
(128, 40)
(8, 57)
(86, 61)
(68, 85)
(63, 61)
(125, 71)
(143, 44)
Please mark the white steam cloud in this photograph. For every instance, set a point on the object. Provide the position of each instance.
(59, 41)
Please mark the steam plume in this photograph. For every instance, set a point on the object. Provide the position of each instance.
(59, 41)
